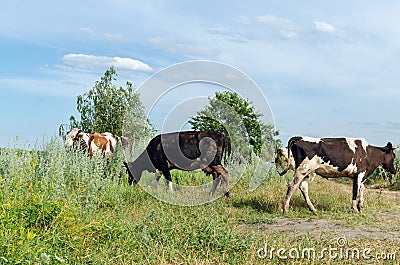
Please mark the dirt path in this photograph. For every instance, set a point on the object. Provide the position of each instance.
(388, 229)
(316, 227)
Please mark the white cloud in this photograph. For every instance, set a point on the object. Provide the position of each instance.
(95, 63)
(234, 35)
(274, 21)
(106, 36)
(288, 34)
(324, 27)
(284, 27)
(172, 46)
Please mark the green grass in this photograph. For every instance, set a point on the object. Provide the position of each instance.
(58, 206)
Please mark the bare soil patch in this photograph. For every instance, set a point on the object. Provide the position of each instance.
(388, 228)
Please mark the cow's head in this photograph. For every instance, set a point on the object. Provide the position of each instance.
(72, 137)
(388, 161)
(281, 159)
(133, 172)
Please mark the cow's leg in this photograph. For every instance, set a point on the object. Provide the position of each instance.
(225, 182)
(223, 172)
(294, 184)
(169, 184)
(156, 179)
(168, 178)
(361, 199)
(304, 191)
(355, 192)
(361, 188)
(216, 181)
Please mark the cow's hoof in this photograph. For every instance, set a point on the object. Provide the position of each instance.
(227, 194)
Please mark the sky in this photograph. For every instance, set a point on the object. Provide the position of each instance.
(326, 68)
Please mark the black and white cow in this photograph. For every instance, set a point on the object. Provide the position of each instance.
(188, 151)
(335, 157)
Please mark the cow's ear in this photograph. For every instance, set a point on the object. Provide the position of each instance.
(389, 147)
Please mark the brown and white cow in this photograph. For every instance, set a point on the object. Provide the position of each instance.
(188, 151)
(104, 143)
(335, 157)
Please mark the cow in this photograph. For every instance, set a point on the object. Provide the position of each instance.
(189, 150)
(335, 157)
(97, 142)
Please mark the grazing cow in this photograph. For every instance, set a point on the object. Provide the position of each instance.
(188, 151)
(335, 157)
(104, 142)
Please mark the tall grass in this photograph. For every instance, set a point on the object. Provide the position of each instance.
(59, 206)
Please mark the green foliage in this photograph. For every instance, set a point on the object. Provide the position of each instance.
(108, 108)
(237, 118)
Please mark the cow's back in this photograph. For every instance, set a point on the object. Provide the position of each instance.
(183, 149)
(339, 152)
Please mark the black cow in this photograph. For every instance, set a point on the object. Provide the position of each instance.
(336, 157)
(188, 151)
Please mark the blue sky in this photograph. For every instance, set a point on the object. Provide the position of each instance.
(326, 68)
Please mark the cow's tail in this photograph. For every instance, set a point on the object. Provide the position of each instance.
(289, 147)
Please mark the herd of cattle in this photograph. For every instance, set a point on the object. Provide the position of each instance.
(353, 158)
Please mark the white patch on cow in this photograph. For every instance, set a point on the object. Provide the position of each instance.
(360, 178)
(69, 142)
(352, 143)
(169, 184)
(112, 142)
(364, 144)
(71, 136)
(351, 168)
(311, 139)
(326, 169)
(86, 138)
(309, 165)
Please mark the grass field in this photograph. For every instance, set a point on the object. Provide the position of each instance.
(59, 207)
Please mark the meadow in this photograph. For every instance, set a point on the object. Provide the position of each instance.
(59, 207)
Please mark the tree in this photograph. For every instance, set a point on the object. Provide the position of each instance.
(108, 108)
(235, 117)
